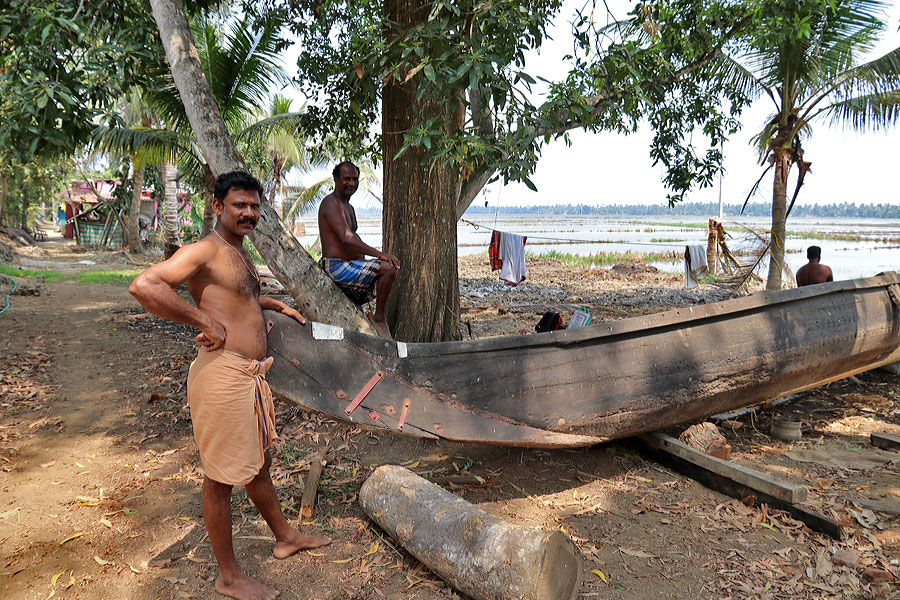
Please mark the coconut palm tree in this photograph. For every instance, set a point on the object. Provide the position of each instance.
(136, 112)
(806, 60)
(241, 63)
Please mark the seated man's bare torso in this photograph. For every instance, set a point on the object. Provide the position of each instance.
(332, 246)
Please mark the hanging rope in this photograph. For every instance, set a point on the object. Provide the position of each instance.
(9, 293)
(578, 241)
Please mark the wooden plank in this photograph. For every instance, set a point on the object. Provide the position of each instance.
(787, 492)
(749, 495)
(891, 508)
(885, 440)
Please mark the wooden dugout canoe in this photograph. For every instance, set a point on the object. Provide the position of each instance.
(585, 386)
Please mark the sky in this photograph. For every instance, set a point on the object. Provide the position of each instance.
(607, 168)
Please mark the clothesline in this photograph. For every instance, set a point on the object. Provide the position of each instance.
(573, 240)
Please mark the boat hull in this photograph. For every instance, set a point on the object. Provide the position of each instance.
(612, 380)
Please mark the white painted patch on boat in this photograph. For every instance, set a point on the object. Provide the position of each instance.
(401, 349)
(323, 331)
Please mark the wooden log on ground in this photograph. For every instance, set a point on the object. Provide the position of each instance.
(885, 440)
(706, 438)
(737, 481)
(311, 486)
(479, 554)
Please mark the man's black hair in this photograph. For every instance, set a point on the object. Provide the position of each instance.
(813, 252)
(236, 180)
(336, 172)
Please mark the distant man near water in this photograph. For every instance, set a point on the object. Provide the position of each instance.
(344, 253)
(231, 405)
(813, 272)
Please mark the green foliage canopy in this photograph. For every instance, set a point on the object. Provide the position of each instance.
(64, 63)
(659, 65)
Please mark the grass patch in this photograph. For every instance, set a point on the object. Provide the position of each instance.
(666, 240)
(113, 277)
(843, 237)
(605, 259)
(48, 275)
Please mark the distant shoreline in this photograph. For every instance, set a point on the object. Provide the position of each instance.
(846, 210)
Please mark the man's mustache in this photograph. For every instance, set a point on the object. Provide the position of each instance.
(247, 221)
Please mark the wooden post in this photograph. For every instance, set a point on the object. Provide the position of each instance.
(311, 486)
(712, 246)
(479, 554)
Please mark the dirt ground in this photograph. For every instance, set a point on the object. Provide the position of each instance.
(100, 480)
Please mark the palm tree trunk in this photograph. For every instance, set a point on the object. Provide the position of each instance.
(209, 180)
(24, 223)
(134, 224)
(316, 295)
(3, 195)
(170, 206)
(782, 159)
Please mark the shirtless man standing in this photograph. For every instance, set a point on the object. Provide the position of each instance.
(344, 253)
(231, 405)
(812, 272)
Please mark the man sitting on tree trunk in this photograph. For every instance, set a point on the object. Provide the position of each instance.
(344, 253)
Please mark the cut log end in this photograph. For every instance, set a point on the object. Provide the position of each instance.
(559, 577)
(706, 438)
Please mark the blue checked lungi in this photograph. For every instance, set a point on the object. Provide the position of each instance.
(356, 278)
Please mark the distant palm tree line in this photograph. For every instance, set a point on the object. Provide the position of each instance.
(699, 209)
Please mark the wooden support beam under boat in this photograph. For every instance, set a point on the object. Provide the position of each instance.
(741, 475)
(737, 481)
(885, 440)
(890, 508)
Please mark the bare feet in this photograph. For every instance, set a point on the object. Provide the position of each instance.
(298, 542)
(244, 588)
(381, 327)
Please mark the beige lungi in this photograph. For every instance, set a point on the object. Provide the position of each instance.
(232, 413)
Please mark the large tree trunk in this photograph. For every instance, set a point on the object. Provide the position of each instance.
(134, 215)
(782, 159)
(171, 228)
(316, 295)
(419, 218)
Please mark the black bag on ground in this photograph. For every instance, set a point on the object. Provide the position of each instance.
(550, 321)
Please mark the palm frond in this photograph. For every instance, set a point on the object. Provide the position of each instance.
(146, 145)
(307, 198)
(732, 73)
(866, 113)
(285, 122)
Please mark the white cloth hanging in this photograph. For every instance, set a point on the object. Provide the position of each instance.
(512, 253)
(695, 265)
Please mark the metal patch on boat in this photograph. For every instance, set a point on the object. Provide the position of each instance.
(401, 349)
(323, 331)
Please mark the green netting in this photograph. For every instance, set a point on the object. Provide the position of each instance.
(91, 232)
